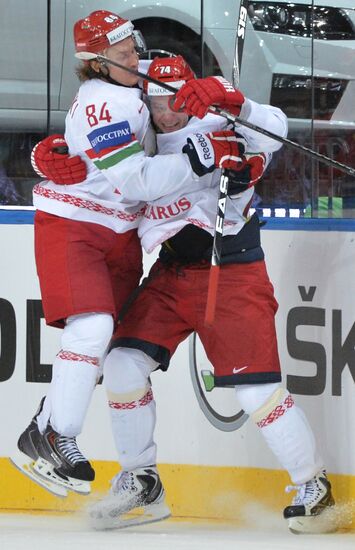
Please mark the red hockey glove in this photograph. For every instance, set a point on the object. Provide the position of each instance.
(196, 96)
(50, 160)
(247, 174)
(207, 152)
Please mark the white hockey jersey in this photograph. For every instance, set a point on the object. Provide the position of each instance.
(109, 127)
(165, 217)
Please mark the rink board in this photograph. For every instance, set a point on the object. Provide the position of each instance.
(207, 472)
(191, 491)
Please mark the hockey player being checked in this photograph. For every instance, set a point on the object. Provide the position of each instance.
(88, 254)
(241, 344)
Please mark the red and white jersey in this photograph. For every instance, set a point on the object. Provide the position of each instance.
(166, 216)
(109, 127)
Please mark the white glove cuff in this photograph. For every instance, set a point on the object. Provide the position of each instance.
(204, 149)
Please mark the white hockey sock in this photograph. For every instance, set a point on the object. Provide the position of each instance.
(73, 381)
(133, 426)
(285, 429)
(132, 406)
(75, 371)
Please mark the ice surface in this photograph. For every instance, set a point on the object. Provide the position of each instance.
(58, 532)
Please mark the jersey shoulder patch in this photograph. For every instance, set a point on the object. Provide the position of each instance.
(111, 144)
(109, 136)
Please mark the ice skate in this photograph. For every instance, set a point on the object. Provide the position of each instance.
(310, 509)
(136, 498)
(53, 461)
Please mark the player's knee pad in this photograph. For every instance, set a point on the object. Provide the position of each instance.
(258, 397)
(126, 376)
(88, 334)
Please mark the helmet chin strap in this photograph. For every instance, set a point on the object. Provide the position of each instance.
(104, 74)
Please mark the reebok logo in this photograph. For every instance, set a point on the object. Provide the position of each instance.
(235, 370)
(204, 146)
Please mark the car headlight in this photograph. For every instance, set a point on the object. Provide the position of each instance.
(321, 22)
(293, 94)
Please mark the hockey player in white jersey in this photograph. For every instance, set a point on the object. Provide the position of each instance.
(242, 342)
(88, 255)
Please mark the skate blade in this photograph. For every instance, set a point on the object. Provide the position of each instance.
(141, 516)
(46, 470)
(25, 464)
(315, 525)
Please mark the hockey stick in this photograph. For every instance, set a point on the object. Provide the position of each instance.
(308, 152)
(216, 251)
(88, 56)
(224, 182)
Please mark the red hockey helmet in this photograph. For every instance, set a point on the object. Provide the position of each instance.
(172, 70)
(100, 30)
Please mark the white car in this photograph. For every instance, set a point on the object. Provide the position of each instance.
(281, 63)
(307, 78)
